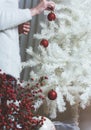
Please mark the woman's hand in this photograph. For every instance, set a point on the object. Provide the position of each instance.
(24, 28)
(43, 5)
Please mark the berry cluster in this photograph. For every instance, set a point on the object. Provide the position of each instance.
(16, 106)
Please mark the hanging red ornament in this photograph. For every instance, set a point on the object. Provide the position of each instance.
(52, 95)
(44, 43)
(51, 16)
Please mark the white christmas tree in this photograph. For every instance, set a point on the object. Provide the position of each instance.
(66, 62)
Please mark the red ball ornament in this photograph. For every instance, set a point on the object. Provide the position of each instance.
(52, 95)
(44, 43)
(51, 16)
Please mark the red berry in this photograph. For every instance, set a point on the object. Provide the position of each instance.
(44, 43)
(51, 16)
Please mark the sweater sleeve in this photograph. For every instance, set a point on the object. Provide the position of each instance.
(12, 18)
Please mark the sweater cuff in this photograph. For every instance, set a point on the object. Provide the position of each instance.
(28, 14)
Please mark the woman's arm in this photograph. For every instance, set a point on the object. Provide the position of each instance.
(10, 18)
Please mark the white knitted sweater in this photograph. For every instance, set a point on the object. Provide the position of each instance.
(10, 17)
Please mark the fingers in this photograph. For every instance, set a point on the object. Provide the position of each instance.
(51, 5)
(26, 28)
(26, 25)
(26, 31)
(50, 8)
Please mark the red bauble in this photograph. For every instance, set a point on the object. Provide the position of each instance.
(44, 43)
(52, 95)
(51, 16)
